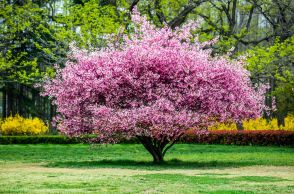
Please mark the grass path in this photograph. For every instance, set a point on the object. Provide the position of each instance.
(127, 169)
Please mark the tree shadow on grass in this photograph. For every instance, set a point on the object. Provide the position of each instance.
(146, 165)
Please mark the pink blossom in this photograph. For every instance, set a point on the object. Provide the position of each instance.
(157, 83)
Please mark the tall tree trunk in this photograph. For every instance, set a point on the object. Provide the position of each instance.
(4, 102)
(9, 100)
(21, 96)
(281, 118)
(35, 103)
(51, 114)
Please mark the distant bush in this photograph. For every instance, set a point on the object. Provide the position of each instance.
(246, 137)
(258, 124)
(17, 125)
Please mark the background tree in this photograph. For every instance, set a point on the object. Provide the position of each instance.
(274, 65)
(244, 23)
(29, 46)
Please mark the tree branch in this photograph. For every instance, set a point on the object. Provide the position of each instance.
(264, 13)
(177, 21)
(234, 10)
(134, 3)
(250, 17)
(159, 13)
(255, 42)
(172, 143)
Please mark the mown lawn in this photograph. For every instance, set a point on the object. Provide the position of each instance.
(128, 169)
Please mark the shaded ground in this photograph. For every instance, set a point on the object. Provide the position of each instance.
(127, 169)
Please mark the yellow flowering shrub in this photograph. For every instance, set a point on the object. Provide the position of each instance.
(17, 125)
(289, 123)
(257, 124)
(261, 124)
(34, 126)
(12, 125)
(223, 126)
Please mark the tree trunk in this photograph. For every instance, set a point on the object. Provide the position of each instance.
(281, 119)
(9, 100)
(158, 148)
(154, 147)
(240, 126)
(4, 103)
(158, 158)
(21, 105)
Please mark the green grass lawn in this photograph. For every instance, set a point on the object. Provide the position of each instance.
(128, 169)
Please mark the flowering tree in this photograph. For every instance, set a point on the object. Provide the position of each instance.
(153, 85)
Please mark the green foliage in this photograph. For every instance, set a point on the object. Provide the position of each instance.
(87, 24)
(40, 139)
(274, 65)
(28, 43)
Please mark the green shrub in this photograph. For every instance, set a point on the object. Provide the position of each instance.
(263, 138)
(246, 137)
(48, 139)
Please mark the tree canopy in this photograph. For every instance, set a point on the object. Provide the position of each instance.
(153, 85)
